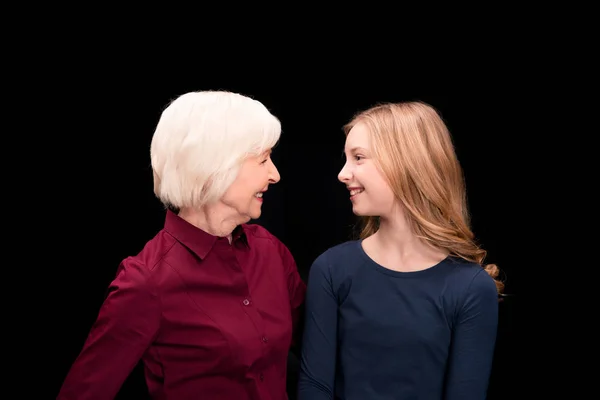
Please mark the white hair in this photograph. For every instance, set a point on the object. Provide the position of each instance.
(200, 142)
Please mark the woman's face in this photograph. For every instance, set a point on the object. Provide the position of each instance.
(370, 193)
(253, 179)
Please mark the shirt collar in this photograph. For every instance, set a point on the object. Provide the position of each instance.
(194, 238)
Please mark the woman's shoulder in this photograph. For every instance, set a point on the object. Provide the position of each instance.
(340, 259)
(256, 233)
(344, 251)
(469, 277)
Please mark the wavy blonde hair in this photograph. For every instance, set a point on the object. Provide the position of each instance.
(414, 150)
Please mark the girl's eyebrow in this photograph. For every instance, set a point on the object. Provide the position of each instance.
(357, 148)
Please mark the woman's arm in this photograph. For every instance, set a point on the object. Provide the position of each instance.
(126, 325)
(318, 358)
(297, 294)
(473, 342)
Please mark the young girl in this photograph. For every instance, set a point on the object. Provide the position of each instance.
(408, 311)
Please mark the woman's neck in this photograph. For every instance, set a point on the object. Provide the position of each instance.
(215, 219)
(397, 247)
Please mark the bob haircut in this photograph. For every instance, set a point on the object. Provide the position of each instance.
(200, 142)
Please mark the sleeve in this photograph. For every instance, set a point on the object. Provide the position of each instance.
(127, 323)
(297, 293)
(318, 357)
(473, 342)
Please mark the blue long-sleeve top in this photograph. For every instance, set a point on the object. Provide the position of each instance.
(372, 333)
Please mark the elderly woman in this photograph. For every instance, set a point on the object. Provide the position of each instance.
(211, 304)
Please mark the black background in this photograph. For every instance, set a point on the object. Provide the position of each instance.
(110, 210)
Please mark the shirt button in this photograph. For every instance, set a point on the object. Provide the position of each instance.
(246, 302)
(264, 339)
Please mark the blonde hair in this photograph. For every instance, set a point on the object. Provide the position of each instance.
(200, 142)
(414, 150)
